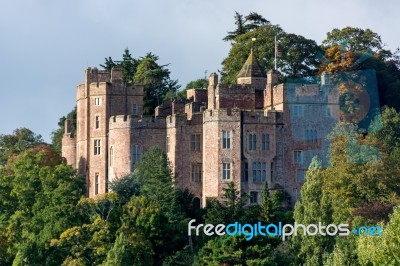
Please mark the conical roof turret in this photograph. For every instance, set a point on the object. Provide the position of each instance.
(251, 68)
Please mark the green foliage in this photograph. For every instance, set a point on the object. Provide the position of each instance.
(236, 250)
(158, 85)
(154, 175)
(21, 139)
(313, 207)
(355, 39)
(174, 95)
(125, 187)
(267, 210)
(39, 196)
(297, 56)
(363, 49)
(229, 209)
(85, 243)
(388, 129)
(156, 81)
(132, 250)
(197, 84)
(246, 24)
(128, 65)
(382, 250)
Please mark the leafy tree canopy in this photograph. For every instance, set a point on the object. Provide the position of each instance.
(20, 140)
(146, 71)
(297, 55)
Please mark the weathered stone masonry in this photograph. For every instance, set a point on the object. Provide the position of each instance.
(250, 133)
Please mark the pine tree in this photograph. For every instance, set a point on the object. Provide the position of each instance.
(267, 211)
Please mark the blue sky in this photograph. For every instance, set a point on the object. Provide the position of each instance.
(45, 45)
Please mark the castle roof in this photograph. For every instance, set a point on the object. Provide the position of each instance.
(251, 68)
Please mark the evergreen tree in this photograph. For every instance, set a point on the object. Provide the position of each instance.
(156, 81)
(267, 211)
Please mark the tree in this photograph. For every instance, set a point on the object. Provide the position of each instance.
(312, 208)
(145, 71)
(240, 28)
(350, 49)
(154, 176)
(381, 250)
(197, 84)
(156, 81)
(254, 20)
(128, 65)
(40, 203)
(266, 214)
(125, 187)
(297, 58)
(246, 24)
(355, 39)
(132, 250)
(109, 64)
(21, 140)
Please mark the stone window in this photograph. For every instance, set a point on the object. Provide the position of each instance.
(96, 183)
(196, 173)
(253, 197)
(226, 139)
(195, 142)
(301, 173)
(315, 136)
(136, 153)
(252, 142)
(265, 142)
(97, 147)
(97, 123)
(298, 157)
(245, 172)
(226, 171)
(311, 135)
(134, 109)
(112, 156)
(97, 101)
(259, 172)
(298, 110)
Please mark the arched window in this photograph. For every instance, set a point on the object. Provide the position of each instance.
(315, 136)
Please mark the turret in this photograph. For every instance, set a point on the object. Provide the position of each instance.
(252, 73)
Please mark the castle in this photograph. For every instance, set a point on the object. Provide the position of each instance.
(250, 133)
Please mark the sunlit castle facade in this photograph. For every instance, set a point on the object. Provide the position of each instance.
(250, 133)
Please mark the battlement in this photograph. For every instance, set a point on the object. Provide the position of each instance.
(221, 114)
(182, 119)
(129, 121)
(95, 75)
(197, 95)
(258, 117)
(237, 88)
(310, 93)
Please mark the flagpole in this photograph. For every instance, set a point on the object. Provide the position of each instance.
(276, 51)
